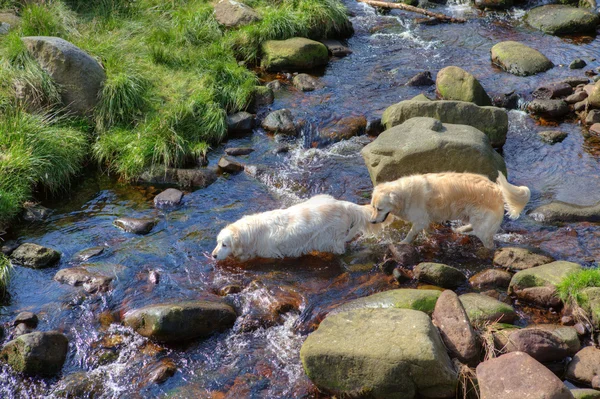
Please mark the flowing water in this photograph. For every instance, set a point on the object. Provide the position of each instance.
(260, 359)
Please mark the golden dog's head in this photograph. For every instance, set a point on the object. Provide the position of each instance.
(383, 202)
(226, 244)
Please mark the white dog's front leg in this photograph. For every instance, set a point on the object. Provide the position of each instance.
(414, 230)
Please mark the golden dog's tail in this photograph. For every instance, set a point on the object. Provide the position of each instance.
(515, 197)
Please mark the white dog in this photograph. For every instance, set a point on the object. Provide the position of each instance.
(437, 197)
(321, 224)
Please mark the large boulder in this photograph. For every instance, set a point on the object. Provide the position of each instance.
(557, 19)
(482, 308)
(516, 259)
(425, 145)
(175, 322)
(403, 298)
(379, 353)
(519, 59)
(35, 256)
(450, 318)
(454, 83)
(563, 212)
(584, 393)
(79, 75)
(293, 54)
(584, 366)
(538, 284)
(518, 375)
(439, 274)
(492, 121)
(232, 14)
(545, 343)
(36, 353)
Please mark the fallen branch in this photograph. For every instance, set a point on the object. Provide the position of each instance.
(406, 7)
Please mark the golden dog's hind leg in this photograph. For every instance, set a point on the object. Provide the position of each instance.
(414, 230)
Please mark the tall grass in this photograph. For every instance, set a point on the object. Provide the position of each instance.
(570, 289)
(5, 271)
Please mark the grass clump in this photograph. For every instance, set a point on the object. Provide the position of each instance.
(5, 271)
(570, 289)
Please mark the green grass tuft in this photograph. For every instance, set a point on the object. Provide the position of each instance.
(47, 19)
(5, 272)
(571, 287)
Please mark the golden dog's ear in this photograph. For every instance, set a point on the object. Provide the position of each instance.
(396, 200)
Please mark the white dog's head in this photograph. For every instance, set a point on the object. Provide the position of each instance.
(383, 201)
(226, 244)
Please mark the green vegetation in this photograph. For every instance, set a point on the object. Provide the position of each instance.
(5, 269)
(571, 287)
(173, 75)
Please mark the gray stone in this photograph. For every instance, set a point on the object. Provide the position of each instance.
(545, 343)
(280, 121)
(439, 274)
(233, 14)
(421, 79)
(425, 145)
(336, 48)
(592, 117)
(169, 198)
(516, 259)
(229, 165)
(80, 76)
(553, 91)
(344, 129)
(184, 178)
(482, 309)
(35, 256)
(30, 319)
(35, 212)
(552, 109)
(584, 366)
(519, 59)
(37, 353)
(88, 253)
(553, 136)
(563, 212)
(293, 54)
(134, 225)
(558, 19)
(241, 122)
(403, 298)
(454, 83)
(577, 63)
(305, 82)
(262, 97)
(491, 278)
(238, 151)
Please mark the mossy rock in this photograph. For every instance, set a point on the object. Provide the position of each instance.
(585, 393)
(591, 302)
(454, 83)
(439, 274)
(594, 97)
(293, 54)
(35, 256)
(481, 308)
(519, 59)
(36, 353)
(548, 275)
(558, 19)
(403, 298)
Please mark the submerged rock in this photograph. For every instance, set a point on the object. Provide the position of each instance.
(184, 178)
(421, 79)
(88, 253)
(516, 259)
(305, 82)
(134, 225)
(584, 366)
(481, 308)
(439, 274)
(563, 212)
(380, 353)
(80, 385)
(229, 165)
(161, 371)
(344, 129)
(169, 198)
(280, 121)
(35, 256)
(557, 19)
(232, 14)
(454, 83)
(37, 353)
(293, 54)
(403, 298)
(553, 136)
(519, 59)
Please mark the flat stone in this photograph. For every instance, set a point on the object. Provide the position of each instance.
(229, 165)
(558, 19)
(553, 136)
(576, 81)
(36, 353)
(576, 97)
(481, 309)
(305, 82)
(238, 151)
(544, 343)
(584, 366)
(519, 59)
(280, 121)
(553, 91)
(421, 79)
(454, 83)
(30, 319)
(403, 298)
(559, 211)
(491, 278)
(136, 226)
(86, 254)
(344, 129)
(336, 48)
(552, 109)
(439, 274)
(35, 256)
(169, 198)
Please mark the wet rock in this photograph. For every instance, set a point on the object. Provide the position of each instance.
(97, 276)
(403, 298)
(344, 129)
(232, 14)
(263, 96)
(454, 83)
(401, 275)
(161, 371)
(35, 212)
(439, 274)
(388, 266)
(553, 136)
(577, 63)
(545, 343)
(562, 212)
(425, 145)
(576, 81)
(238, 151)
(280, 122)
(584, 366)
(552, 109)
(423, 97)
(21, 329)
(592, 117)
(184, 178)
(538, 284)
(379, 352)
(274, 85)
(460, 339)
(154, 277)
(576, 97)
(169, 198)
(175, 322)
(35, 256)
(493, 4)
(230, 289)
(74, 276)
(336, 48)
(88, 253)
(293, 54)
(30, 319)
(585, 393)
(267, 305)
(281, 149)
(229, 165)
(490, 120)
(97, 284)
(481, 308)
(519, 59)
(561, 19)
(37, 353)
(491, 278)
(136, 226)
(552, 91)
(305, 82)
(405, 254)
(421, 79)
(8, 247)
(507, 101)
(518, 375)
(374, 127)
(78, 74)
(241, 122)
(80, 385)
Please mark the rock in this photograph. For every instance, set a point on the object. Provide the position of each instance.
(78, 74)
(507, 101)
(518, 375)
(481, 308)
(80, 385)
(553, 136)
(136, 226)
(577, 63)
(591, 303)
(439, 274)
(424, 145)
(493, 4)
(184, 178)
(421, 79)
(405, 254)
(280, 121)
(580, 106)
(229, 165)
(545, 343)
(526, 284)
(576, 81)
(30, 319)
(241, 122)
(37, 353)
(94, 277)
(592, 117)
(379, 353)
(161, 371)
(519, 59)
(492, 121)
(35, 256)
(305, 82)
(423, 97)
(344, 129)
(552, 109)
(336, 48)
(176, 322)
(403, 298)
(293, 54)
(263, 96)
(169, 198)
(35, 212)
(274, 85)
(4, 28)
(460, 339)
(238, 151)
(153, 277)
(594, 96)
(88, 253)
(374, 127)
(10, 19)
(516, 259)
(585, 393)
(584, 366)
(232, 14)
(595, 129)
(8, 247)
(491, 278)
(454, 83)
(558, 19)
(562, 212)
(553, 90)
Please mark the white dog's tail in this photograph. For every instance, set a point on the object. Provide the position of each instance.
(515, 197)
